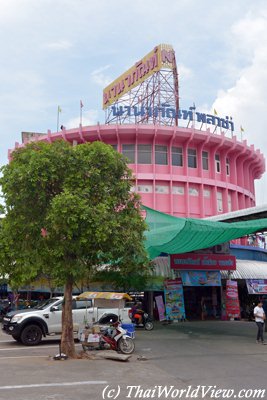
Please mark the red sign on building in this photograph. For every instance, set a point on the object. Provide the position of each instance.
(193, 261)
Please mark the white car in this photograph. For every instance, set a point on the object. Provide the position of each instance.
(30, 325)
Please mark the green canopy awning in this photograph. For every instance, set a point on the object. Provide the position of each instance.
(172, 235)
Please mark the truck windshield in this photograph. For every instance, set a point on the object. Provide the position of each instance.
(46, 303)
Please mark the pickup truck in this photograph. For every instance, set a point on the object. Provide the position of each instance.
(30, 325)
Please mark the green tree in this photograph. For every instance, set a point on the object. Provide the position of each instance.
(69, 210)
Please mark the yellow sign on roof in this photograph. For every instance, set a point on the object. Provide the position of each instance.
(162, 56)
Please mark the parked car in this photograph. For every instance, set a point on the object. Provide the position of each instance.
(30, 325)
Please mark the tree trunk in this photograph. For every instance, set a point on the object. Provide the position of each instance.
(67, 338)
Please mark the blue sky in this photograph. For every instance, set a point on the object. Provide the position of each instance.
(56, 52)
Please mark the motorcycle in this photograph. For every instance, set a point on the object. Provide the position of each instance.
(146, 322)
(115, 338)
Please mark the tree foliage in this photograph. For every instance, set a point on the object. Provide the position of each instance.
(68, 211)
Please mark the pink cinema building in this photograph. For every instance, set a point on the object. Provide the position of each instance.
(185, 163)
(180, 171)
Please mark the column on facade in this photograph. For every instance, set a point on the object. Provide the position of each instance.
(225, 200)
(170, 170)
(186, 194)
(154, 167)
(214, 150)
(214, 200)
(136, 158)
(200, 174)
(235, 200)
(225, 191)
(240, 159)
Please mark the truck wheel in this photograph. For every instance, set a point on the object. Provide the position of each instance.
(31, 335)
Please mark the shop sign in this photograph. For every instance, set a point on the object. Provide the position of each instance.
(201, 278)
(232, 300)
(174, 299)
(193, 261)
(257, 286)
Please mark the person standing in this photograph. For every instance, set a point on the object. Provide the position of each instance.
(259, 315)
(203, 309)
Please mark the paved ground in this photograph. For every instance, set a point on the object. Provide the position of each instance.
(185, 356)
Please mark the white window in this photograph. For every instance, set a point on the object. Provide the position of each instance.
(217, 163)
(144, 188)
(205, 160)
(193, 191)
(227, 166)
(219, 202)
(144, 153)
(206, 193)
(229, 202)
(178, 190)
(192, 158)
(162, 189)
(128, 150)
(161, 155)
(177, 156)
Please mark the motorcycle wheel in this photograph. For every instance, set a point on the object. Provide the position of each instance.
(126, 346)
(149, 326)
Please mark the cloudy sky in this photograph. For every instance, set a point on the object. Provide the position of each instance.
(56, 52)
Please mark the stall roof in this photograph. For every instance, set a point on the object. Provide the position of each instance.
(104, 295)
(172, 235)
(248, 269)
(245, 214)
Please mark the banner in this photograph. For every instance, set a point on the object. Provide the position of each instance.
(160, 307)
(203, 262)
(201, 278)
(257, 286)
(174, 299)
(232, 300)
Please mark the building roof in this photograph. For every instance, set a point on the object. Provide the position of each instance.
(172, 235)
(246, 214)
(248, 269)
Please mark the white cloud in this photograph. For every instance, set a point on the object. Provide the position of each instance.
(101, 79)
(89, 117)
(59, 45)
(246, 100)
(184, 72)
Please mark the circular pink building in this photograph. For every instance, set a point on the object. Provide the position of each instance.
(184, 172)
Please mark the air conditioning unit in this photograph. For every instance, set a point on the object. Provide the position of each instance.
(222, 248)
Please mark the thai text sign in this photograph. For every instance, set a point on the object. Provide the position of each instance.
(257, 286)
(232, 300)
(162, 56)
(167, 111)
(201, 278)
(193, 261)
